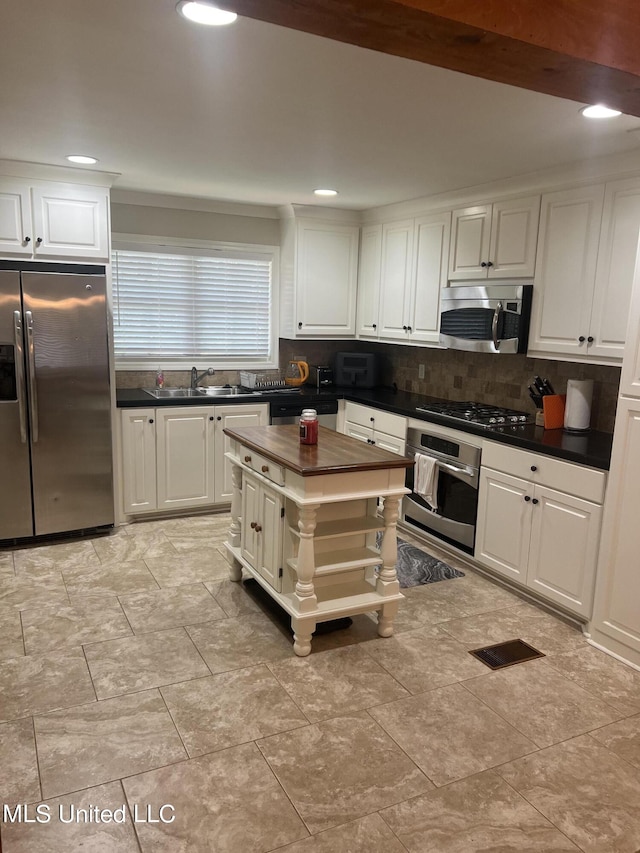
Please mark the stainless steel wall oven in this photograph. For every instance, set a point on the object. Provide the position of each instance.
(458, 468)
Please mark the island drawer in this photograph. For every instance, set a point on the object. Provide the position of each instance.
(263, 466)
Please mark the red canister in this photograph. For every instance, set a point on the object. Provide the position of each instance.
(309, 427)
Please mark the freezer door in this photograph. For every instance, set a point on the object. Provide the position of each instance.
(15, 482)
(70, 419)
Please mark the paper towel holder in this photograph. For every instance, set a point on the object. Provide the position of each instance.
(577, 416)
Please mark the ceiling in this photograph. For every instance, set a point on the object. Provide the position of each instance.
(261, 114)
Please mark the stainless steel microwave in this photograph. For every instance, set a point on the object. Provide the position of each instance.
(486, 317)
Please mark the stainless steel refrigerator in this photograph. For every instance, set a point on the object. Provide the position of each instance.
(55, 404)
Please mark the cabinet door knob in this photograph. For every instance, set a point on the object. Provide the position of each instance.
(404, 328)
(258, 528)
(372, 419)
(527, 498)
(27, 239)
(534, 467)
(581, 339)
(374, 326)
(264, 469)
(210, 417)
(150, 420)
(247, 459)
(299, 325)
(409, 329)
(489, 263)
(38, 240)
(483, 264)
(253, 525)
(590, 339)
(219, 418)
(535, 501)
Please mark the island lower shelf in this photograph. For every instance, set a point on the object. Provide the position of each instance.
(333, 600)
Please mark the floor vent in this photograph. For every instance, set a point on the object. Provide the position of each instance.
(506, 654)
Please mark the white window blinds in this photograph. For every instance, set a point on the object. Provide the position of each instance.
(181, 305)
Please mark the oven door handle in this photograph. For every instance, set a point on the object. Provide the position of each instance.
(494, 325)
(462, 471)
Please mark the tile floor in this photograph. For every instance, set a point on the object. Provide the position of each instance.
(134, 674)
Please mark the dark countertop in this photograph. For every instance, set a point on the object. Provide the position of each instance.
(592, 448)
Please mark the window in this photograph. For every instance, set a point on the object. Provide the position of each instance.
(176, 306)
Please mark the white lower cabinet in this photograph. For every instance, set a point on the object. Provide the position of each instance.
(616, 619)
(540, 536)
(173, 457)
(184, 456)
(262, 530)
(139, 460)
(374, 426)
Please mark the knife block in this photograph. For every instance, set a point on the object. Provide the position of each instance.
(553, 408)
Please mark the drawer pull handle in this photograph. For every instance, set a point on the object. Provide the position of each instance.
(534, 467)
(247, 459)
(264, 469)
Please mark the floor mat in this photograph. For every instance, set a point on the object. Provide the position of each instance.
(415, 567)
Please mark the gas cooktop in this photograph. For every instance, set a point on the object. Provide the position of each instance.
(478, 413)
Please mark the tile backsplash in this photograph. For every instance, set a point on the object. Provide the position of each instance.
(501, 380)
(450, 374)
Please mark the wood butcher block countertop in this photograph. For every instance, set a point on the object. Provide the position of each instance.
(333, 454)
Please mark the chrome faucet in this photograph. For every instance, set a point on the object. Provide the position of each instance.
(196, 377)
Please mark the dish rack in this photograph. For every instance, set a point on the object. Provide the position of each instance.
(258, 381)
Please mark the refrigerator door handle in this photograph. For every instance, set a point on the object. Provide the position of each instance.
(20, 385)
(31, 361)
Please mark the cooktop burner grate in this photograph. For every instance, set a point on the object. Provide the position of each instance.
(478, 413)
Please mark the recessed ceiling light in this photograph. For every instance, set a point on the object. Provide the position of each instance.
(599, 111)
(81, 158)
(326, 192)
(204, 12)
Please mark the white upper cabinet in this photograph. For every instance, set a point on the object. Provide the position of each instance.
(53, 220)
(369, 281)
(614, 271)
(584, 274)
(319, 279)
(495, 240)
(413, 270)
(396, 278)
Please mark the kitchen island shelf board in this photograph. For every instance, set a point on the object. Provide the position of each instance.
(331, 488)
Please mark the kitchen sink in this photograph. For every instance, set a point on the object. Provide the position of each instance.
(160, 393)
(207, 391)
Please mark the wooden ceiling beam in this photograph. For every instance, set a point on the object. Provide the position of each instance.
(583, 50)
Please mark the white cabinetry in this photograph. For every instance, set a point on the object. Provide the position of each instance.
(319, 278)
(616, 619)
(584, 272)
(173, 457)
(413, 269)
(494, 240)
(53, 220)
(262, 530)
(539, 524)
(184, 456)
(139, 460)
(374, 426)
(368, 307)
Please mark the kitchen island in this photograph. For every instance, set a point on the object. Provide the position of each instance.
(305, 524)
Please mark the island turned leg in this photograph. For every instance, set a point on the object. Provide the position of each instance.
(235, 568)
(306, 600)
(387, 583)
(302, 631)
